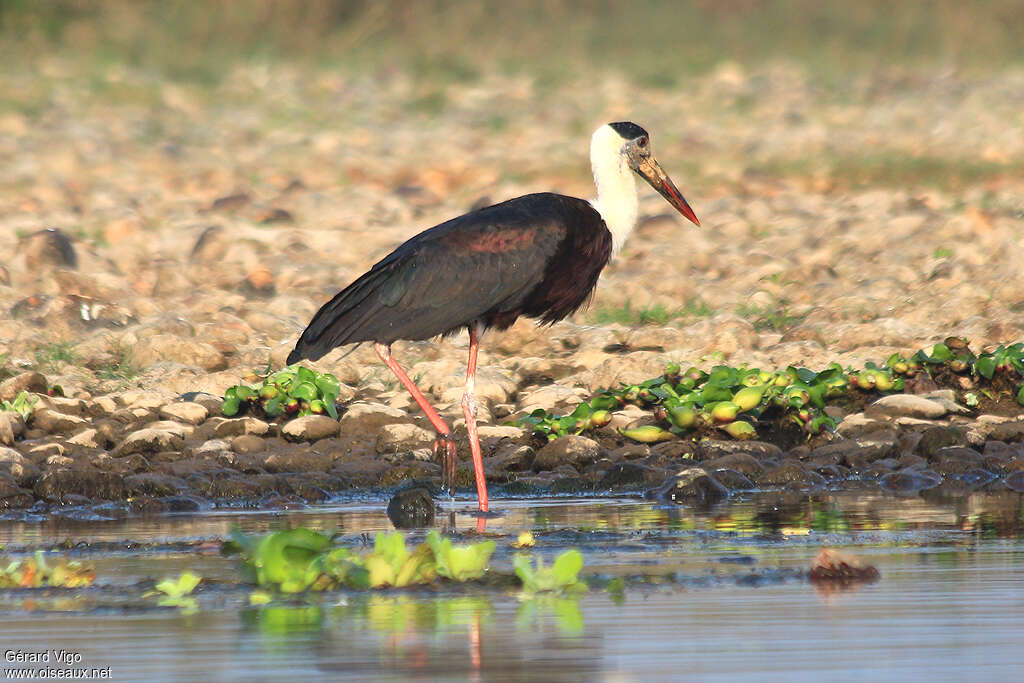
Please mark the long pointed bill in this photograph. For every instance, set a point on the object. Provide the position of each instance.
(651, 171)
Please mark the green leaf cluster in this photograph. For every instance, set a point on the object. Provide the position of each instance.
(301, 559)
(23, 404)
(734, 399)
(561, 576)
(293, 392)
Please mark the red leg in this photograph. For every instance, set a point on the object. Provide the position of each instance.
(469, 410)
(445, 444)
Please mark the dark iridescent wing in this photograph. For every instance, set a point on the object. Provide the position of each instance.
(482, 263)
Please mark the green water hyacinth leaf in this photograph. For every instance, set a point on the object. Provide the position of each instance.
(713, 393)
(604, 402)
(176, 592)
(647, 434)
(1020, 396)
(304, 391)
(985, 366)
(724, 411)
(23, 404)
(241, 392)
(941, 352)
(230, 407)
(180, 587)
(273, 407)
(282, 558)
(740, 430)
(582, 411)
(460, 563)
(749, 398)
(328, 384)
(340, 567)
(723, 375)
(562, 575)
(683, 416)
(391, 564)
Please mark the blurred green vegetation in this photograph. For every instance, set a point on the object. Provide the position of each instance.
(654, 41)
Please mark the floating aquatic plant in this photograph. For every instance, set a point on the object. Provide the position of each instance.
(177, 592)
(301, 559)
(562, 576)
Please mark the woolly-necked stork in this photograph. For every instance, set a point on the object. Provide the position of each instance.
(538, 256)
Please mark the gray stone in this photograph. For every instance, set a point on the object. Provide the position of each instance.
(493, 435)
(910, 480)
(789, 475)
(248, 443)
(11, 427)
(184, 411)
(303, 460)
(906, 405)
(573, 450)
(731, 479)
(88, 438)
(411, 508)
(170, 347)
(712, 449)
(510, 457)
(403, 436)
(1007, 431)
(1015, 481)
(858, 424)
(32, 382)
(936, 438)
(155, 484)
(241, 425)
(90, 483)
(149, 441)
(692, 486)
(20, 468)
(743, 463)
(368, 418)
(629, 475)
(13, 497)
(52, 422)
(310, 428)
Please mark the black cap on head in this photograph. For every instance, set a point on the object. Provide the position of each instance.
(628, 130)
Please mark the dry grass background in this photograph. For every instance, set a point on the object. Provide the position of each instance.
(856, 163)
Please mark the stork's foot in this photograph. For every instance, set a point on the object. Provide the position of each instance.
(448, 455)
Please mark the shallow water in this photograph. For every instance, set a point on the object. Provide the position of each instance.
(723, 594)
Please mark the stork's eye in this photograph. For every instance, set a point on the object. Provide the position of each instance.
(641, 141)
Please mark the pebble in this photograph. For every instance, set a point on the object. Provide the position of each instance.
(907, 405)
(310, 428)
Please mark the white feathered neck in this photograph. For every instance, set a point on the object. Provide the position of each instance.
(616, 188)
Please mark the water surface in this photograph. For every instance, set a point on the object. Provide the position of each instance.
(709, 595)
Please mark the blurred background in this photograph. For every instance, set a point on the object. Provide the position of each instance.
(858, 167)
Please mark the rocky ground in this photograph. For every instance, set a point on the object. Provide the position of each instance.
(166, 240)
